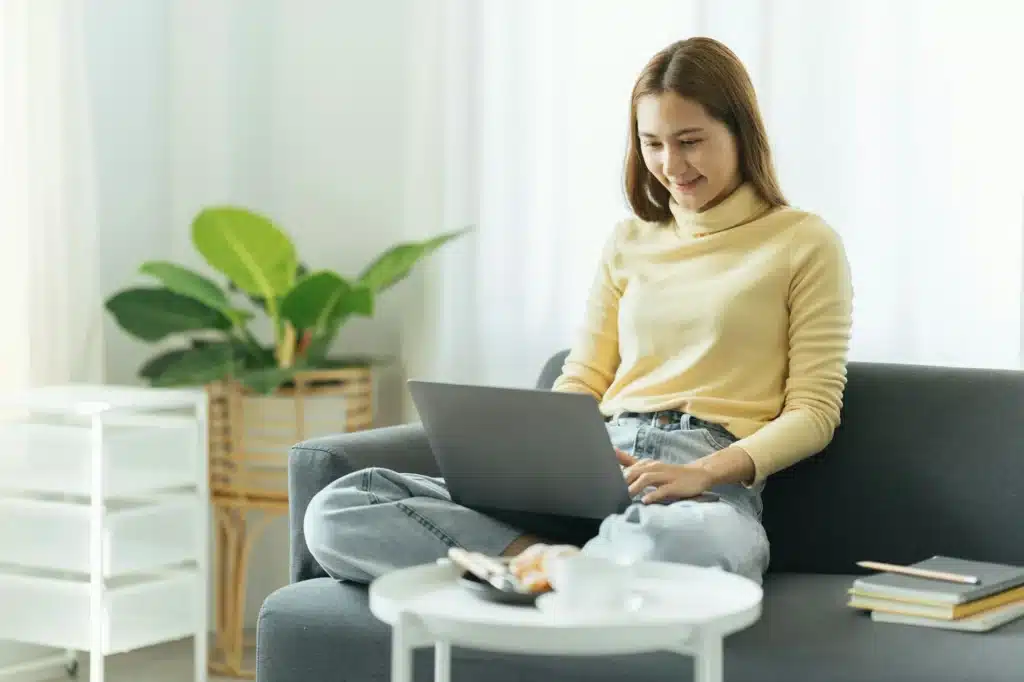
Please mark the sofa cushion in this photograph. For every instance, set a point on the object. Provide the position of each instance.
(321, 629)
(808, 633)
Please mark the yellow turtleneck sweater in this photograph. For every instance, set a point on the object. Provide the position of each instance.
(739, 315)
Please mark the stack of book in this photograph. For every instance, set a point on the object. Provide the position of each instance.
(975, 596)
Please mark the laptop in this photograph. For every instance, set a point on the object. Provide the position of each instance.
(537, 459)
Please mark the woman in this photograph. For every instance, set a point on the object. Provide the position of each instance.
(715, 341)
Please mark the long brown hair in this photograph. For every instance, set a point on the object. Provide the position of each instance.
(708, 72)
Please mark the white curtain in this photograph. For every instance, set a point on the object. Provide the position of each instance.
(899, 122)
(48, 239)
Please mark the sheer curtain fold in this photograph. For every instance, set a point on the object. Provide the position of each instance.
(50, 253)
(894, 121)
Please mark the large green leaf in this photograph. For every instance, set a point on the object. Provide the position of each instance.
(154, 314)
(396, 263)
(301, 271)
(309, 304)
(187, 283)
(158, 364)
(253, 355)
(192, 366)
(239, 315)
(248, 248)
(358, 300)
(318, 301)
(246, 356)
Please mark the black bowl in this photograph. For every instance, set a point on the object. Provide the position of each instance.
(489, 592)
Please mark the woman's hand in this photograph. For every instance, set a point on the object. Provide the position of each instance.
(670, 481)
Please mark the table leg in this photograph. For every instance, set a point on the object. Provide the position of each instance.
(442, 662)
(707, 660)
(401, 653)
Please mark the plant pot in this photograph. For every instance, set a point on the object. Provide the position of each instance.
(250, 434)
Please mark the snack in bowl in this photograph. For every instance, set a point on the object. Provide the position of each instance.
(517, 580)
(533, 567)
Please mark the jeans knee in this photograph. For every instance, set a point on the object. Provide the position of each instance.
(700, 534)
(729, 539)
(326, 529)
(314, 525)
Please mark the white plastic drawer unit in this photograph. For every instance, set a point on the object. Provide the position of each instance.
(139, 455)
(135, 612)
(137, 536)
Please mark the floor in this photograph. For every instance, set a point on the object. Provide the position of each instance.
(162, 663)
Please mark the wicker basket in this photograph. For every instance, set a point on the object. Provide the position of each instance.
(249, 439)
(250, 434)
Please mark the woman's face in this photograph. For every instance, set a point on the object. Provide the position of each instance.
(692, 154)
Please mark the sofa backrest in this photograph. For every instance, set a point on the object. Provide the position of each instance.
(927, 460)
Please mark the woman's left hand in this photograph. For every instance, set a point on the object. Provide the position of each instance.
(671, 481)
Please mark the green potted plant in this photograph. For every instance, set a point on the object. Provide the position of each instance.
(264, 277)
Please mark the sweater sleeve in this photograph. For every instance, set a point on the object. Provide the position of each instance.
(820, 318)
(594, 357)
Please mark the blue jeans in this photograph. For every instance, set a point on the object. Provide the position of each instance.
(376, 520)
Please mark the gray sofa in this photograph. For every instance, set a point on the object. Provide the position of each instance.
(927, 461)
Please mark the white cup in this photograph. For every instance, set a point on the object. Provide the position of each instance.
(585, 583)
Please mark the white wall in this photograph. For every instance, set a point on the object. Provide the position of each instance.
(126, 43)
(295, 109)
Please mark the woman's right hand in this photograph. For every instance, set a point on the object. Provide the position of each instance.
(625, 459)
(532, 566)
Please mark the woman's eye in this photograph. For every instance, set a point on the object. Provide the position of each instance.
(650, 144)
(690, 143)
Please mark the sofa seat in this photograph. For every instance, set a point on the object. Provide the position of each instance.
(323, 630)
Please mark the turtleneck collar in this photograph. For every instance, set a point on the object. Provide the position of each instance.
(740, 207)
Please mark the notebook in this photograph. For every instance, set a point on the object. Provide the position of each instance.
(994, 578)
(925, 609)
(979, 622)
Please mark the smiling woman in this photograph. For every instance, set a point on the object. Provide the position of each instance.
(717, 299)
(695, 132)
(714, 343)
(717, 308)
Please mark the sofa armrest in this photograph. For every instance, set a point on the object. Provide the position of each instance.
(315, 463)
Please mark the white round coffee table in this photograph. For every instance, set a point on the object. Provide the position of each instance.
(685, 609)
